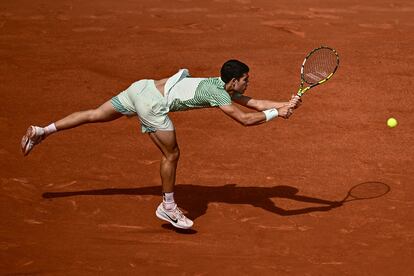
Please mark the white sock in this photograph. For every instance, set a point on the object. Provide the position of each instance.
(168, 200)
(50, 129)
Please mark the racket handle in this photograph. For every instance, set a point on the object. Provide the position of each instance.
(297, 97)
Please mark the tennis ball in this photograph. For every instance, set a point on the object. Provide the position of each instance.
(392, 122)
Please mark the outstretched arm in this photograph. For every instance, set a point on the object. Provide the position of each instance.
(255, 118)
(261, 105)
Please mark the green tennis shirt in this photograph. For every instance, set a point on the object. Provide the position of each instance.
(191, 93)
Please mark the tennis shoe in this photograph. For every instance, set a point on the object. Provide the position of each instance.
(34, 135)
(174, 216)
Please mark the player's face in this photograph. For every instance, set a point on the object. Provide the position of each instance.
(240, 85)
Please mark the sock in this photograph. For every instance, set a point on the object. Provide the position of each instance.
(50, 129)
(168, 200)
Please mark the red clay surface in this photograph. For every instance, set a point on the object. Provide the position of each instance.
(83, 202)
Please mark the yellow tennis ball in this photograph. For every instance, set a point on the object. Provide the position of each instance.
(392, 122)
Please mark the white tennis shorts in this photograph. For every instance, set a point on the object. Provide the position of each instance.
(144, 99)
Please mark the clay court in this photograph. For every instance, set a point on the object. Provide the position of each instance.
(83, 202)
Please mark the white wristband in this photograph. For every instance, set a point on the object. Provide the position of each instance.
(270, 114)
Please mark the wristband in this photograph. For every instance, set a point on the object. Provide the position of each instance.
(270, 114)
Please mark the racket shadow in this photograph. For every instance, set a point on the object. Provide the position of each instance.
(196, 198)
(365, 191)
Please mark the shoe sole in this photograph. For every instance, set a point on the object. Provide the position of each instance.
(160, 215)
(26, 139)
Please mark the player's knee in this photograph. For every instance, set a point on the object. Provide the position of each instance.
(95, 115)
(173, 155)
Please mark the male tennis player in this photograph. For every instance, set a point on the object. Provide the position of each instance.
(151, 100)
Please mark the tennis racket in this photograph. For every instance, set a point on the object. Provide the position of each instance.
(366, 190)
(318, 67)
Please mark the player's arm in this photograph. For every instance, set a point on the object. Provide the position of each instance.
(261, 105)
(255, 118)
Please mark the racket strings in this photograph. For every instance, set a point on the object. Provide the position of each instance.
(319, 65)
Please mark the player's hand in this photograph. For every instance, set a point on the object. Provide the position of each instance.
(285, 111)
(295, 101)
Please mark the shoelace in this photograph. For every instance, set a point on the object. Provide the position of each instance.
(178, 213)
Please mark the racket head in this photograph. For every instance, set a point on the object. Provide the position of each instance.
(368, 190)
(318, 67)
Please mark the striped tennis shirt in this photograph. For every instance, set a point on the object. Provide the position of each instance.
(190, 93)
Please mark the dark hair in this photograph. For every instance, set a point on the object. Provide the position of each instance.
(233, 69)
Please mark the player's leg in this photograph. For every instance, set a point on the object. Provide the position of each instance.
(167, 143)
(104, 113)
(35, 134)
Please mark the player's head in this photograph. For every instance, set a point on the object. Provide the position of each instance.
(235, 75)
(233, 69)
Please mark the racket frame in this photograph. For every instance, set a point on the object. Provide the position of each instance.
(302, 90)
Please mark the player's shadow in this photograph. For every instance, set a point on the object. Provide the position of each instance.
(195, 198)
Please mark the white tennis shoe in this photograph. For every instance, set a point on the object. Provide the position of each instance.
(174, 216)
(34, 135)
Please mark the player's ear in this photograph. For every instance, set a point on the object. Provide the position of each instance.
(232, 82)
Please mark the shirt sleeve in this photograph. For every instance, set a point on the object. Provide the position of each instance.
(219, 97)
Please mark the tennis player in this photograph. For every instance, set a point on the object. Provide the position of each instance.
(152, 100)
